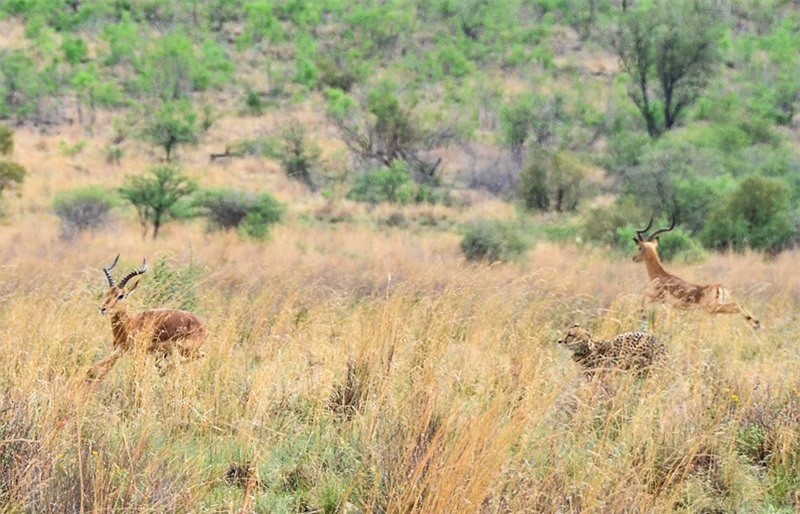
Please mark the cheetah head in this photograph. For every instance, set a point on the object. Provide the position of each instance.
(578, 340)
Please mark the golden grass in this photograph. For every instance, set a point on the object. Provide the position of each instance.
(374, 370)
(365, 367)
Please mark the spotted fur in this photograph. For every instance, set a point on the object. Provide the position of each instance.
(629, 350)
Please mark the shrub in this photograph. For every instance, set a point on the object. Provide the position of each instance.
(265, 212)
(174, 286)
(75, 50)
(389, 184)
(755, 215)
(334, 73)
(225, 209)
(83, 209)
(612, 225)
(11, 173)
(696, 198)
(492, 241)
(229, 209)
(678, 246)
(299, 157)
(556, 181)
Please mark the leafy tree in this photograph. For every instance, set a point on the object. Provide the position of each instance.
(385, 131)
(156, 196)
(755, 215)
(299, 157)
(669, 49)
(124, 41)
(260, 24)
(11, 173)
(20, 84)
(173, 124)
(531, 117)
(556, 181)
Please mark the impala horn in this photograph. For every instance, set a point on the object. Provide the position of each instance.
(641, 234)
(107, 271)
(134, 273)
(661, 231)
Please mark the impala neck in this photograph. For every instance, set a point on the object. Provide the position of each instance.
(653, 263)
(119, 325)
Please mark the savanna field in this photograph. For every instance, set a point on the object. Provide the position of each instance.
(387, 214)
(360, 369)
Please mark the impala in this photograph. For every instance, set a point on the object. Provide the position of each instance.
(161, 331)
(714, 298)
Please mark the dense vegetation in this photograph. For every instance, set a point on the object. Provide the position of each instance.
(681, 106)
(324, 181)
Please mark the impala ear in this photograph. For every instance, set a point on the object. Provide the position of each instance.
(134, 286)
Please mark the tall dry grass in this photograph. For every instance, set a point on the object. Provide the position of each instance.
(361, 370)
(361, 367)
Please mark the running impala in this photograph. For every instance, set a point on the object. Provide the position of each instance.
(161, 331)
(714, 298)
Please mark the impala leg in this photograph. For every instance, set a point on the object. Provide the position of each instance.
(101, 368)
(735, 308)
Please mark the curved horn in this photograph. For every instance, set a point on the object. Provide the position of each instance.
(641, 234)
(661, 231)
(108, 269)
(134, 273)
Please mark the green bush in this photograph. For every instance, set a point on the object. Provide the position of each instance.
(554, 181)
(697, 197)
(299, 157)
(392, 184)
(756, 215)
(488, 240)
(229, 209)
(265, 212)
(174, 286)
(83, 209)
(12, 174)
(613, 225)
(75, 50)
(678, 246)
(225, 209)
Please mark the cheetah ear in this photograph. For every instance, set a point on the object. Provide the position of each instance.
(575, 325)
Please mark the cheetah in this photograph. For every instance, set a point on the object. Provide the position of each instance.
(629, 350)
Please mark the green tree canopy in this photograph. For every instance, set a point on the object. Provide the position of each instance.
(156, 196)
(669, 49)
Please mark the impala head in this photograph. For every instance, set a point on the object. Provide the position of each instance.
(577, 338)
(649, 243)
(118, 292)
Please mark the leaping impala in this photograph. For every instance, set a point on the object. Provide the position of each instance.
(163, 331)
(714, 298)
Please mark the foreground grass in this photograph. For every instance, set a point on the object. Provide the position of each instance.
(375, 373)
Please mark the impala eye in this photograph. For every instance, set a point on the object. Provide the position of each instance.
(120, 297)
